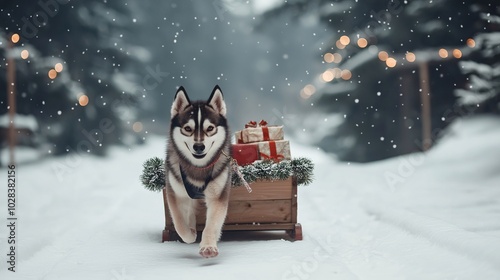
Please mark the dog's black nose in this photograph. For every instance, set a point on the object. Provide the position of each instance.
(199, 148)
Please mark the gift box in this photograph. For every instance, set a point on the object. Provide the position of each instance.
(257, 132)
(245, 154)
(274, 150)
(271, 150)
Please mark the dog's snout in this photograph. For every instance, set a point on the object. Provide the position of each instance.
(199, 148)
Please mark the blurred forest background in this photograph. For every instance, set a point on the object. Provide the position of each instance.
(364, 81)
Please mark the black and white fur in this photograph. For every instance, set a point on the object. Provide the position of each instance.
(197, 150)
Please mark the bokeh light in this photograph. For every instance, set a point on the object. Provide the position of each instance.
(15, 38)
(337, 58)
(346, 74)
(25, 54)
(383, 55)
(58, 67)
(83, 100)
(362, 43)
(307, 91)
(328, 75)
(137, 127)
(410, 57)
(52, 74)
(339, 45)
(471, 43)
(328, 57)
(391, 62)
(344, 40)
(443, 53)
(457, 53)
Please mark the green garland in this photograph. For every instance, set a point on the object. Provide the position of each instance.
(153, 173)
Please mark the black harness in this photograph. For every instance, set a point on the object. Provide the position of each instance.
(193, 191)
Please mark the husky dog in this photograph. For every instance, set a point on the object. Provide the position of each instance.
(198, 167)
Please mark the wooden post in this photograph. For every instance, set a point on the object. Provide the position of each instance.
(425, 97)
(11, 99)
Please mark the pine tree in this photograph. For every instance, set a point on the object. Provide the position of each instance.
(93, 101)
(482, 91)
(371, 77)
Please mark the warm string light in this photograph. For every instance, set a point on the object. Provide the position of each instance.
(15, 38)
(471, 43)
(344, 40)
(137, 127)
(25, 54)
(410, 57)
(58, 67)
(328, 75)
(443, 53)
(332, 57)
(391, 62)
(336, 73)
(307, 91)
(457, 53)
(362, 43)
(339, 45)
(83, 100)
(52, 74)
(337, 58)
(346, 74)
(328, 57)
(383, 55)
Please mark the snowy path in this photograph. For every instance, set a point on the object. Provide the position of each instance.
(441, 220)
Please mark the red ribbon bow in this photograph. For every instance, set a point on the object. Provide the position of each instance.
(273, 153)
(253, 124)
(262, 123)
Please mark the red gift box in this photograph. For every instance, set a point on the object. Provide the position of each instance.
(245, 154)
(271, 150)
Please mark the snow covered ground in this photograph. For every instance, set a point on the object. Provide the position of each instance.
(421, 216)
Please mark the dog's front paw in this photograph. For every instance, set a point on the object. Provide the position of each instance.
(209, 251)
(189, 237)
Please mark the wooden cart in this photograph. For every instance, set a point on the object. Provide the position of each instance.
(270, 206)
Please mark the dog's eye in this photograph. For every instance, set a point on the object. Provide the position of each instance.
(210, 128)
(188, 129)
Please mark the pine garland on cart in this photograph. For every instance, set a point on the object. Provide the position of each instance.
(153, 175)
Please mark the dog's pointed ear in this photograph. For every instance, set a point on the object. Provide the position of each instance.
(216, 101)
(181, 101)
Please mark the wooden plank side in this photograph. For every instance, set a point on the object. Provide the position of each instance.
(264, 190)
(259, 211)
(271, 205)
(277, 226)
(255, 211)
(231, 227)
(294, 200)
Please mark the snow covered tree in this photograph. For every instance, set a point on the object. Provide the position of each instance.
(482, 91)
(79, 79)
(373, 66)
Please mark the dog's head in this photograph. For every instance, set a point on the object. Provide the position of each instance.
(199, 129)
